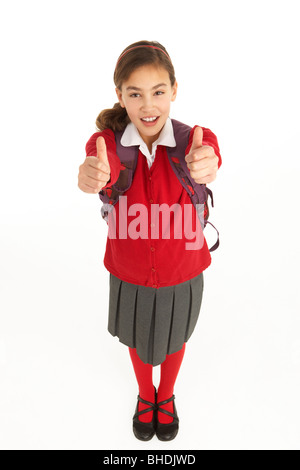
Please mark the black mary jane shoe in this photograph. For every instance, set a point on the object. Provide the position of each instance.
(167, 431)
(144, 431)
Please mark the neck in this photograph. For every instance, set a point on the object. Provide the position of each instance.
(149, 148)
(149, 141)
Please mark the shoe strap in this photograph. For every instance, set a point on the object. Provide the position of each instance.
(152, 407)
(166, 401)
(162, 410)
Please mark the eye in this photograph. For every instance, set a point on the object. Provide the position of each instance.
(134, 95)
(159, 93)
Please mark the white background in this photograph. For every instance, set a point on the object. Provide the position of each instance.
(65, 382)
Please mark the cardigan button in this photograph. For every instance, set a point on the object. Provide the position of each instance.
(151, 200)
(152, 248)
(154, 285)
(153, 270)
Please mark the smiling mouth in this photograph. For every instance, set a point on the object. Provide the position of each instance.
(150, 119)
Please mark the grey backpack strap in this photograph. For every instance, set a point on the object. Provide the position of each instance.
(215, 246)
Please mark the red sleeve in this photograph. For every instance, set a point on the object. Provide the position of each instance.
(113, 159)
(209, 138)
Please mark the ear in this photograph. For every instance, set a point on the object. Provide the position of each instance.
(119, 95)
(174, 91)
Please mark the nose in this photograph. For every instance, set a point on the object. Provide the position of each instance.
(147, 104)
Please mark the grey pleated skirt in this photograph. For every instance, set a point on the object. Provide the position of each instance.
(156, 322)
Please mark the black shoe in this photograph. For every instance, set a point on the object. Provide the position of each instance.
(144, 431)
(167, 431)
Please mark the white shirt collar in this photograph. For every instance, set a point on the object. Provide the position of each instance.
(131, 137)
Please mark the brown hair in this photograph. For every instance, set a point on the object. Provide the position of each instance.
(116, 118)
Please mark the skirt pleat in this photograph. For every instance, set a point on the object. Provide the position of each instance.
(114, 301)
(126, 313)
(181, 312)
(144, 322)
(197, 284)
(164, 303)
(156, 322)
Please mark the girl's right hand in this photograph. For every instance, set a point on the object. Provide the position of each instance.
(94, 173)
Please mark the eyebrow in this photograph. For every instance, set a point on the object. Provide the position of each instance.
(139, 89)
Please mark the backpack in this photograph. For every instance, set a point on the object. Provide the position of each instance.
(128, 156)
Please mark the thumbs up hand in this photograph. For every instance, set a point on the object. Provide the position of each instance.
(202, 160)
(94, 172)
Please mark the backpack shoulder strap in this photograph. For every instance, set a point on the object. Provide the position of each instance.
(128, 158)
(197, 192)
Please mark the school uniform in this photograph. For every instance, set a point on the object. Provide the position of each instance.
(156, 283)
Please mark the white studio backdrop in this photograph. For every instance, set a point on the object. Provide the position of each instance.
(63, 378)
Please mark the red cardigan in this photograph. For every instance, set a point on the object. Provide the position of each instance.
(150, 261)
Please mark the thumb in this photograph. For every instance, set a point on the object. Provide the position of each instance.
(197, 138)
(102, 152)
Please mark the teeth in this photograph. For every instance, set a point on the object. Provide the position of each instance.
(150, 119)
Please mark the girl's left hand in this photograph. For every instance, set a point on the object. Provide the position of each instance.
(202, 160)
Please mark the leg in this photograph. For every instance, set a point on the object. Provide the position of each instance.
(169, 371)
(144, 376)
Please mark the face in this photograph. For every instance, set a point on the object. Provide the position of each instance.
(147, 96)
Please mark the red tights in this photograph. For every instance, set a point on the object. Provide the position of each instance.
(168, 373)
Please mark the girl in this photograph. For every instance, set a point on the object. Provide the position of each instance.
(156, 282)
